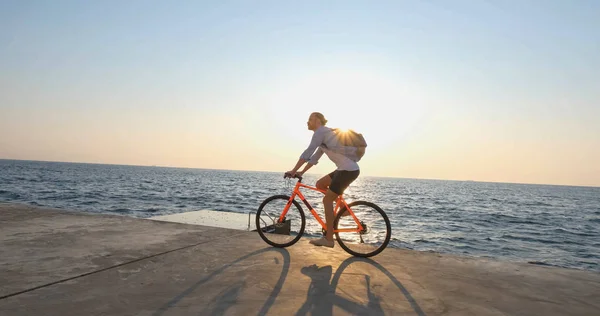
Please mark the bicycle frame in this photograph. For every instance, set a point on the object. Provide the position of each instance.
(338, 204)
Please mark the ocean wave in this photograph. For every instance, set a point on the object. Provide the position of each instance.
(539, 240)
(467, 248)
(536, 204)
(10, 195)
(422, 241)
(454, 239)
(120, 210)
(89, 203)
(505, 218)
(576, 233)
(589, 255)
(541, 263)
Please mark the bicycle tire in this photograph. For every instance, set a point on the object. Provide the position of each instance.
(388, 228)
(265, 237)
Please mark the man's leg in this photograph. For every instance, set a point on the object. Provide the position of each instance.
(339, 182)
(328, 200)
(324, 182)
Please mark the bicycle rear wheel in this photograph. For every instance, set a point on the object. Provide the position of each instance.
(376, 232)
(275, 233)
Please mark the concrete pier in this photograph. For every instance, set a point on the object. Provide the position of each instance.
(57, 262)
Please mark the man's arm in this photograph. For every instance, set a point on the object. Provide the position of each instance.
(313, 160)
(307, 155)
(308, 166)
(298, 165)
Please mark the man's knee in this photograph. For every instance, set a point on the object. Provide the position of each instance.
(329, 197)
(322, 184)
(328, 200)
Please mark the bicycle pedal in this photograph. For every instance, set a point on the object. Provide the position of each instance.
(365, 229)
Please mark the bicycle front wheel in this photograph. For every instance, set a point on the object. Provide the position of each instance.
(374, 236)
(276, 233)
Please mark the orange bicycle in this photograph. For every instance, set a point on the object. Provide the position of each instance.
(361, 228)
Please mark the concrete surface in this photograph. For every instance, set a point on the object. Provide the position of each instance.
(211, 218)
(67, 263)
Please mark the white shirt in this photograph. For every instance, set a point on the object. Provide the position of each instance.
(324, 141)
(342, 162)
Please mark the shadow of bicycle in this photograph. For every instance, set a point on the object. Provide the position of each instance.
(321, 297)
(228, 297)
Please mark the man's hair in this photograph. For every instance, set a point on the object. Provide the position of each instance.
(321, 117)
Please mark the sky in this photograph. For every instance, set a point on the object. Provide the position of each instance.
(500, 91)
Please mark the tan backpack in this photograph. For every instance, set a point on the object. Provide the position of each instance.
(353, 139)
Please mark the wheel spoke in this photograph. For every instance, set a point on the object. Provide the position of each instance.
(376, 231)
(280, 234)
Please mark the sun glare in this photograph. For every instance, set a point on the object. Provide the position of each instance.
(383, 110)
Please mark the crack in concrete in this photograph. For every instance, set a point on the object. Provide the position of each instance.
(114, 266)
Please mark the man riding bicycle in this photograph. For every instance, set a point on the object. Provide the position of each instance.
(324, 140)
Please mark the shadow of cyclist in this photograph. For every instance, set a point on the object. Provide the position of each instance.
(228, 297)
(319, 291)
(321, 295)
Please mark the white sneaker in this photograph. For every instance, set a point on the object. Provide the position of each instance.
(323, 242)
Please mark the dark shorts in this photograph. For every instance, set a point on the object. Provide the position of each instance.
(341, 179)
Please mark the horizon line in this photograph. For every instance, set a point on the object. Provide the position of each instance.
(311, 173)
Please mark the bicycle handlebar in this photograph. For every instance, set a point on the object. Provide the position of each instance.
(287, 175)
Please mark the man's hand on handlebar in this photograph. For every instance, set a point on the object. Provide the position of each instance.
(293, 174)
